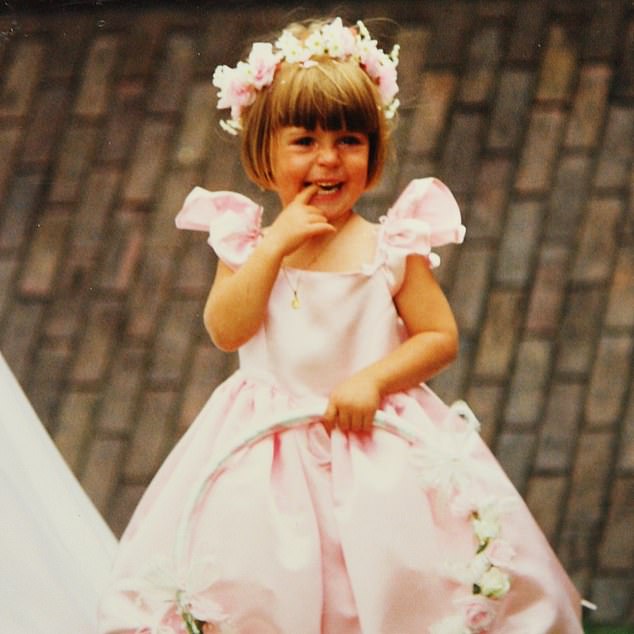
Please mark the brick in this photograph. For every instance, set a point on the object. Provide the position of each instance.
(525, 43)
(547, 294)
(413, 54)
(124, 502)
(21, 78)
(616, 550)
(173, 341)
(125, 119)
(45, 254)
(537, 159)
(69, 41)
(483, 59)
(485, 402)
(620, 311)
(64, 317)
(196, 269)
(449, 384)
(497, 341)
(510, 109)
(623, 86)
(589, 478)
(103, 326)
(559, 428)
(449, 33)
(46, 126)
(152, 436)
(557, 72)
(544, 497)
(21, 202)
(625, 460)
(19, 335)
(95, 207)
(597, 247)
(198, 121)
(613, 596)
(569, 197)
(9, 138)
(103, 462)
(609, 381)
(469, 291)
(174, 74)
(615, 156)
(495, 9)
(162, 232)
(462, 151)
(122, 390)
(604, 30)
(150, 290)
(46, 378)
(74, 427)
(529, 383)
(209, 368)
(76, 153)
(579, 331)
(432, 107)
(124, 252)
(142, 44)
(519, 244)
(148, 161)
(94, 91)
(8, 270)
(586, 120)
(514, 452)
(486, 215)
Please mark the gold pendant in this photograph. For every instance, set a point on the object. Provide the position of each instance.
(295, 301)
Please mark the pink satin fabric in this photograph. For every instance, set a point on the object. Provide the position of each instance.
(309, 533)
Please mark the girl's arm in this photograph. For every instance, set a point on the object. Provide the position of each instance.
(238, 300)
(432, 344)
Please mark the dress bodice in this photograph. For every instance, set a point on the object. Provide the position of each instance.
(346, 320)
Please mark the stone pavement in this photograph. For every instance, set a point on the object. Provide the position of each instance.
(526, 110)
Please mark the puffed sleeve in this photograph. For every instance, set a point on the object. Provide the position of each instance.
(426, 215)
(232, 220)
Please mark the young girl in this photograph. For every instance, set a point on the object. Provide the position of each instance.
(380, 511)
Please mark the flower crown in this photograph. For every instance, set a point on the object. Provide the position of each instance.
(239, 86)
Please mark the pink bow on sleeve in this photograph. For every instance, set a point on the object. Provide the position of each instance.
(426, 215)
(233, 222)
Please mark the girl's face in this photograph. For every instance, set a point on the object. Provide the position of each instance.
(336, 161)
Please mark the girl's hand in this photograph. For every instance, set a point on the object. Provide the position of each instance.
(298, 222)
(353, 404)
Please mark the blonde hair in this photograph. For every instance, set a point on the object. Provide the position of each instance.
(331, 94)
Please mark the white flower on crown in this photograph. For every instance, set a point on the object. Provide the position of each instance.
(238, 87)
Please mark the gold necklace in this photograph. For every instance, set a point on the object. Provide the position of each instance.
(295, 303)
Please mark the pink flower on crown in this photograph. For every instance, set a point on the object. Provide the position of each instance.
(236, 87)
(339, 40)
(387, 82)
(262, 62)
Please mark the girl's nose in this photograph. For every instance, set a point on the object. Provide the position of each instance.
(328, 155)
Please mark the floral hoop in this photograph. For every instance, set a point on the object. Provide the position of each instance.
(445, 462)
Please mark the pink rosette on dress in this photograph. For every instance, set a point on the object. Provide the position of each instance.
(426, 215)
(233, 221)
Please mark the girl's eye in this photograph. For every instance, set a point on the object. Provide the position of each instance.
(351, 139)
(304, 141)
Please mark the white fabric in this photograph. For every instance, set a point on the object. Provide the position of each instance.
(55, 548)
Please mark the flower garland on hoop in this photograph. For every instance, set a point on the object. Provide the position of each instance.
(239, 86)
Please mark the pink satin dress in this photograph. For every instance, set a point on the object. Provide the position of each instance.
(303, 532)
